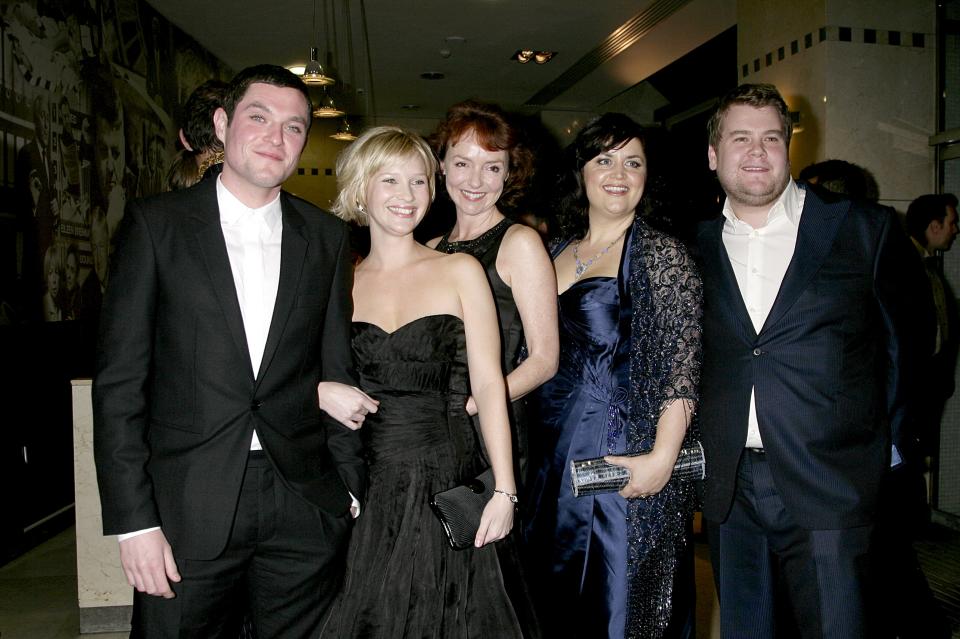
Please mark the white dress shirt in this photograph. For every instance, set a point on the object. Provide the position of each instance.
(253, 238)
(760, 258)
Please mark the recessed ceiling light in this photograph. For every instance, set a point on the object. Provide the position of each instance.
(432, 75)
(524, 56)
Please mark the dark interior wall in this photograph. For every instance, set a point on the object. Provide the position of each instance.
(89, 94)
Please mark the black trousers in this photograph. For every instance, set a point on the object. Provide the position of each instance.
(759, 552)
(282, 567)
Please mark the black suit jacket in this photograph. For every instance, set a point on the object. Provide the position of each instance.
(830, 366)
(175, 398)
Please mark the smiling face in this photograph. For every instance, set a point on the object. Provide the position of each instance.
(751, 159)
(262, 142)
(397, 196)
(615, 178)
(474, 175)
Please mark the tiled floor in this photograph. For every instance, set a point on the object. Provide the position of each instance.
(38, 591)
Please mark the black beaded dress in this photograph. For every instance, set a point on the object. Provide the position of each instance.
(402, 579)
(605, 566)
(485, 248)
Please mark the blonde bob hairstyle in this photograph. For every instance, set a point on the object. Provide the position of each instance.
(368, 154)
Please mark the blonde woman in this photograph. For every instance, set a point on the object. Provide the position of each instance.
(425, 338)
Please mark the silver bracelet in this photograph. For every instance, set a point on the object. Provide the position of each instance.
(511, 496)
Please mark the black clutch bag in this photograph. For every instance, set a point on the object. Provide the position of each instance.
(459, 508)
(594, 476)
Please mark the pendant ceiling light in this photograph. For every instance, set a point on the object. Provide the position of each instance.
(327, 108)
(313, 73)
(344, 133)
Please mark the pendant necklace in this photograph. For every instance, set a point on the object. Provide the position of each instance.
(583, 266)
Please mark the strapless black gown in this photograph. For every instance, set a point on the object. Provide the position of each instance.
(402, 578)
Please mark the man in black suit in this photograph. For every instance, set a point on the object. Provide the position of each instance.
(805, 358)
(932, 225)
(227, 304)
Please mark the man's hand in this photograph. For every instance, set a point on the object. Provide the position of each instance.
(347, 404)
(148, 563)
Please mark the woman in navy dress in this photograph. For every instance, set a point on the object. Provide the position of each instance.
(616, 565)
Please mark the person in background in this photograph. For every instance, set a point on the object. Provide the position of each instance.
(227, 477)
(932, 225)
(485, 166)
(201, 147)
(425, 338)
(616, 565)
(842, 177)
(808, 356)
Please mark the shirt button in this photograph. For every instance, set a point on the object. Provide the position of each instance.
(255, 405)
(757, 352)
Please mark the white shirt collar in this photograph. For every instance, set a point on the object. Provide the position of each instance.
(921, 249)
(233, 210)
(789, 205)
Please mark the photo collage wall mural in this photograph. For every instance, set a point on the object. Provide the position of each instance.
(88, 108)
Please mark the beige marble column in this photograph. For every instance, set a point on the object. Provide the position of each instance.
(862, 75)
(103, 594)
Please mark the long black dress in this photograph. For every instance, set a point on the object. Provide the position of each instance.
(402, 578)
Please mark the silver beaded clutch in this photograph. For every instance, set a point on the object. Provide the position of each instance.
(594, 476)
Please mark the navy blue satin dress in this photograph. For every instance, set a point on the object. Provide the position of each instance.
(577, 546)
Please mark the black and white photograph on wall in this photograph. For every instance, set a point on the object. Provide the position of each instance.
(87, 114)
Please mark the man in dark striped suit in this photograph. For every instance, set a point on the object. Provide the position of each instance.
(806, 355)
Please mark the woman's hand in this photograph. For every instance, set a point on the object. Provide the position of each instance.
(347, 404)
(496, 521)
(648, 473)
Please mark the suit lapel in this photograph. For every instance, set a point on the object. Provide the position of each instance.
(819, 223)
(209, 237)
(728, 289)
(293, 248)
